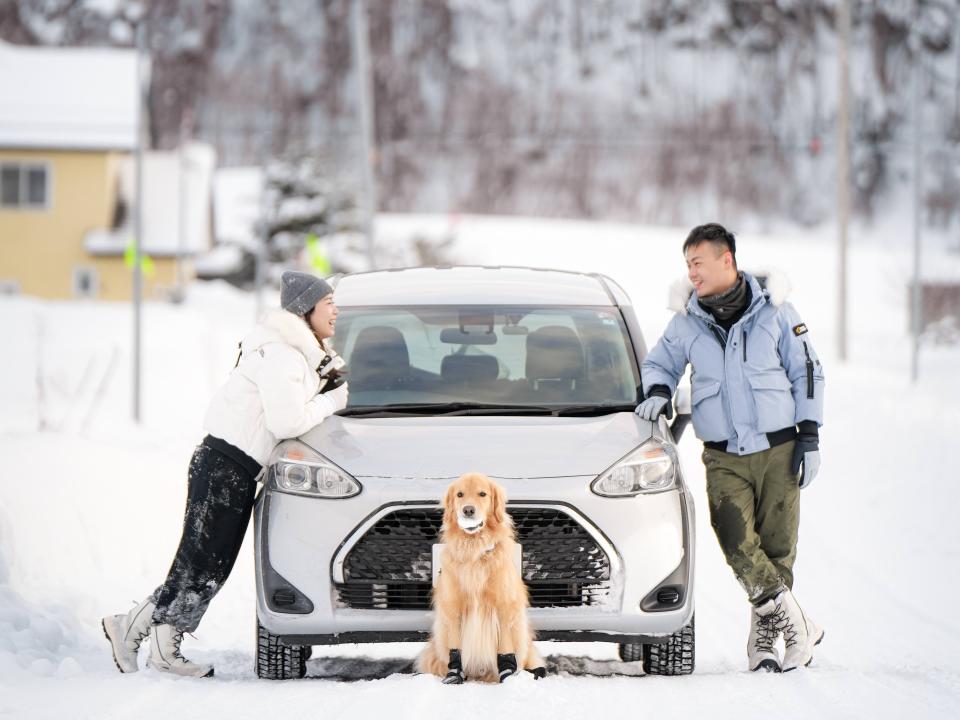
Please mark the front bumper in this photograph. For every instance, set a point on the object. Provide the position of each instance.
(301, 542)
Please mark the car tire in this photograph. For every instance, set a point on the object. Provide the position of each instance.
(676, 656)
(277, 661)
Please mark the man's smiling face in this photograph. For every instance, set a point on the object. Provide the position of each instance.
(710, 268)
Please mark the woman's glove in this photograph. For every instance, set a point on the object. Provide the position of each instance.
(332, 372)
(338, 396)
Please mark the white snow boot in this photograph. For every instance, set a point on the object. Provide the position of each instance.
(814, 632)
(165, 654)
(764, 623)
(126, 633)
(798, 647)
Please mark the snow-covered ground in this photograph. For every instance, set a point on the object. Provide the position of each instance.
(91, 505)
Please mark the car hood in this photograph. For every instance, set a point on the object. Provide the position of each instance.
(502, 447)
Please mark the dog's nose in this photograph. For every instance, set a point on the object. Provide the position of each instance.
(469, 511)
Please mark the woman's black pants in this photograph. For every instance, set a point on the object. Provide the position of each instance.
(221, 486)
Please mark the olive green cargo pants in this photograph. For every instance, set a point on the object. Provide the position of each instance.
(755, 512)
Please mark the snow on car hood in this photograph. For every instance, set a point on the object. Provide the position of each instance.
(502, 447)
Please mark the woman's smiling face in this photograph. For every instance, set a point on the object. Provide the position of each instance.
(323, 318)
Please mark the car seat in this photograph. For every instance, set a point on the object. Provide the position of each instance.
(554, 366)
(380, 360)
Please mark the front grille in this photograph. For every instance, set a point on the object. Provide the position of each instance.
(390, 567)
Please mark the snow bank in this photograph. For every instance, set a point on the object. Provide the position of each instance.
(33, 641)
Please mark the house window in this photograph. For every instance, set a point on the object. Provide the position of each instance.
(9, 287)
(85, 282)
(24, 185)
(10, 185)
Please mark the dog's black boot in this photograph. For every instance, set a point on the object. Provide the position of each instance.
(454, 669)
(506, 665)
(539, 673)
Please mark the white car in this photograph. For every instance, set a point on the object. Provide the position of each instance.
(529, 376)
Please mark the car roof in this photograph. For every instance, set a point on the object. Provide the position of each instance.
(472, 285)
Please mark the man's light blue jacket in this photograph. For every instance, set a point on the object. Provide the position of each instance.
(761, 376)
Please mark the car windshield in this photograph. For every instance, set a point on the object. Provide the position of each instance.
(481, 359)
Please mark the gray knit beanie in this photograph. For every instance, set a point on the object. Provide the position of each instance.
(299, 291)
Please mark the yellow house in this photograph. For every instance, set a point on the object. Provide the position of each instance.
(68, 124)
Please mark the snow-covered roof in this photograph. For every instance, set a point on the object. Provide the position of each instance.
(69, 98)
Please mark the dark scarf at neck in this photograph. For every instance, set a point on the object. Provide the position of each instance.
(726, 305)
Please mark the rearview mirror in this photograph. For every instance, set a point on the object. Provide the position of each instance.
(515, 330)
(456, 336)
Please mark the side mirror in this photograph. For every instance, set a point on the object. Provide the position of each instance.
(683, 408)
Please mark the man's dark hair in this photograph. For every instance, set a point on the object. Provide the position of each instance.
(721, 238)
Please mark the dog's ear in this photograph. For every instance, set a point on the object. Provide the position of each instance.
(499, 501)
(449, 518)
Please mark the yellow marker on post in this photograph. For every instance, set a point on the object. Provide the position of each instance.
(318, 261)
(129, 259)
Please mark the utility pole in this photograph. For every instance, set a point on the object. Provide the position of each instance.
(181, 218)
(138, 224)
(916, 312)
(843, 170)
(266, 139)
(183, 198)
(260, 271)
(361, 63)
(956, 90)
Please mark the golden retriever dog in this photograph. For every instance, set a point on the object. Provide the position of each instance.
(480, 628)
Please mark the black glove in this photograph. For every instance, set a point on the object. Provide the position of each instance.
(506, 665)
(332, 372)
(454, 669)
(806, 453)
(335, 378)
(539, 673)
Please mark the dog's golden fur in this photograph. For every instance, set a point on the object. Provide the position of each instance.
(480, 600)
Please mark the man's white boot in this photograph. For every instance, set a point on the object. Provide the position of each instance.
(764, 623)
(165, 654)
(126, 633)
(814, 632)
(798, 647)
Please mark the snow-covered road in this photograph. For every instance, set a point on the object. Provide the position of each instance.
(90, 512)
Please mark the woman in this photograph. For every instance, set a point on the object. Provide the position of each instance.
(273, 393)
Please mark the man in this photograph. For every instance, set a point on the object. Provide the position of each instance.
(757, 395)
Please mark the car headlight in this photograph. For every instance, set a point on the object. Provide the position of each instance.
(650, 468)
(297, 469)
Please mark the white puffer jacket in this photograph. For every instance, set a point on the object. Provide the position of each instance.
(272, 393)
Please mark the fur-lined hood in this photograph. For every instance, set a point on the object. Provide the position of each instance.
(281, 326)
(775, 284)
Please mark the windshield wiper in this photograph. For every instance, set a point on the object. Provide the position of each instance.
(478, 408)
(588, 410)
(447, 409)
